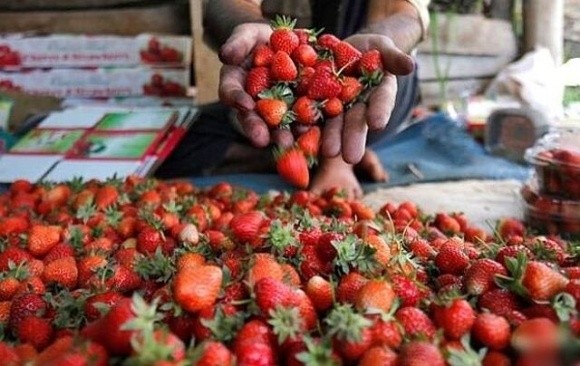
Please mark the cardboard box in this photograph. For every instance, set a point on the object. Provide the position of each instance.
(64, 50)
(99, 82)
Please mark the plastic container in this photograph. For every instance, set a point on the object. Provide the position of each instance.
(556, 159)
(550, 214)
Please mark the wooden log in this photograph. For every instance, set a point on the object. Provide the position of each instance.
(543, 26)
(168, 18)
(206, 61)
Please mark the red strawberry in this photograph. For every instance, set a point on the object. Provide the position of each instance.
(258, 80)
(108, 299)
(328, 41)
(195, 288)
(351, 89)
(420, 353)
(407, 290)
(480, 276)
(61, 250)
(23, 306)
(304, 78)
(346, 57)
(13, 225)
(214, 353)
(8, 355)
(15, 255)
(42, 238)
(292, 166)
(512, 251)
(451, 259)
(252, 353)
(106, 196)
(349, 286)
(273, 111)
(510, 227)
(375, 295)
(370, 62)
(306, 110)
(283, 37)
(148, 240)
(415, 322)
(62, 271)
(499, 301)
(36, 331)
(535, 335)
(262, 55)
(123, 279)
(387, 333)
(456, 319)
(306, 310)
(245, 227)
(305, 55)
(378, 356)
(282, 68)
(309, 142)
(264, 265)
(323, 84)
(352, 341)
(271, 293)
(320, 292)
(332, 107)
(493, 358)
(542, 282)
(447, 224)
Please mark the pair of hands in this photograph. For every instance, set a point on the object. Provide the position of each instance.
(345, 134)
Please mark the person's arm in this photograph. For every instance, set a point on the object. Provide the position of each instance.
(222, 16)
(399, 20)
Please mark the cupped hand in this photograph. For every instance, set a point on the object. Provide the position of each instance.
(346, 134)
(236, 56)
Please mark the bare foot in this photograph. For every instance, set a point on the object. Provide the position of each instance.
(333, 173)
(371, 168)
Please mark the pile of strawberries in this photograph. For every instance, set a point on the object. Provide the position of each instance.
(299, 80)
(146, 272)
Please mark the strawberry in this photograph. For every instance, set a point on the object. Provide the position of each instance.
(323, 84)
(492, 331)
(350, 90)
(371, 61)
(375, 295)
(304, 77)
(451, 259)
(510, 227)
(306, 110)
(542, 282)
(378, 355)
(245, 227)
(123, 279)
(13, 225)
(306, 310)
(61, 271)
(15, 255)
(214, 353)
(61, 250)
(406, 290)
(292, 166)
(480, 276)
(197, 287)
(415, 322)
(320, 292)
(251, 353)
(420, 353)
(538, 335)
(512, 252)
(42, 238)
(283, 38)
(92, 307)
(282, 68)
(271, 293)
(106, 196)
(499, 301)
(23, 306)
(262, 55)
(355, 339)
(36, 331)
(494, 358)
(305, 55)
(264, 265)
(346, 57)
(148, 240)
(328, 41)
(387, 333)
(456, 319)
(273, 111)
(57, 195)
(349, 286)
(108, 330)
(8, 355)
(309, 142)
(258, 80)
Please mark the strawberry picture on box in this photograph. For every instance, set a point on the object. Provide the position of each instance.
(8, 57)
(156, 52)
(299, 80)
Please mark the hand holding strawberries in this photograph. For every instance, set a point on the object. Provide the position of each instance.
(284, 81)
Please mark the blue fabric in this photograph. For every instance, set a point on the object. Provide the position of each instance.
(437, 147)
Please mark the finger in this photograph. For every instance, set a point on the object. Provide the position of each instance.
(395, 61)
(381, 103)
(254, 128)
(331, 137)
(239, 46)
(283, 138)
(231, 88)
(354, 134)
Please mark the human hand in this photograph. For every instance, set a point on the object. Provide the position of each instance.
(346, 134)
(236, 56)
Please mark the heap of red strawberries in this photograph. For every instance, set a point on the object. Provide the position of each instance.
(299, 79)
(145, 272)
